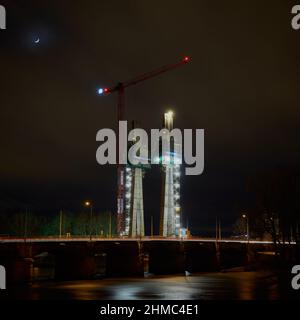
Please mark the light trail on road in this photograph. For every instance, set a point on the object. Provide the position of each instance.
(144, 239)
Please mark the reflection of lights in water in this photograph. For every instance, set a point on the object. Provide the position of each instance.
(208, 286)
(126, 292)
(170, 288)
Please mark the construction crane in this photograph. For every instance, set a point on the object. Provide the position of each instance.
(120, 89)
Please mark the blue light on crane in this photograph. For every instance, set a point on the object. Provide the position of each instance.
(100, 91)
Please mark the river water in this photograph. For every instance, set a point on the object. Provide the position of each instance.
(206, 286)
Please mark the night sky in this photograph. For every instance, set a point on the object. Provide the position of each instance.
(242, 87)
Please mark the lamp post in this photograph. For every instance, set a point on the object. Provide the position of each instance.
(151, 226)
(60, 223)
(245, 216)
(110, 231)
(25, 224)
(88, 204)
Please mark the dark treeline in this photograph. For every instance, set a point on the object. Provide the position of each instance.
(275, 215)
(29, 224)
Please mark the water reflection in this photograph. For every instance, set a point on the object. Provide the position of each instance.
(207, 286)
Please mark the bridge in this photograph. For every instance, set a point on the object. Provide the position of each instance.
(144, 239)
(81, 258)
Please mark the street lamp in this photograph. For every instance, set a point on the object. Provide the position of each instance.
(88, 204)
(245, 216)
(110, 233)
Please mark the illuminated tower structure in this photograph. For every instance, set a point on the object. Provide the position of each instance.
(137, 228)
(128, 197)
(134, 202)
(170, 201)
(134, 208)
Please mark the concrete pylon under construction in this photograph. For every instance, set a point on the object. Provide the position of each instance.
(170, 207)
(167, 223)
(134, 202)
(137, 228)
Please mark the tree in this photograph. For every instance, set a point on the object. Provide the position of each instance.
(277, 206)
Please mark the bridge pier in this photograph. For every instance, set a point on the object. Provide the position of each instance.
(75, 262)
(201, 257)
(165, 258)
(17, 261)
(124, 259)
(233, 255)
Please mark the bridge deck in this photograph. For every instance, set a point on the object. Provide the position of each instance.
(144, 239)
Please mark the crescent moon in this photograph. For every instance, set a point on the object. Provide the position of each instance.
(37, 40)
